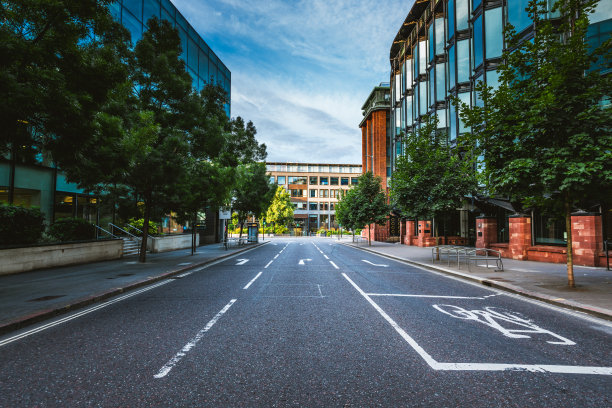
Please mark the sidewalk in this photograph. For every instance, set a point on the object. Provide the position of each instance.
(30, 297)
(538, 280)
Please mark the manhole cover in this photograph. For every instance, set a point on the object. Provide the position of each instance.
(42, 299)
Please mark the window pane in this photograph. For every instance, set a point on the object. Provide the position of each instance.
(441, 118)
(493, 33)
(333, 181)
(135, 7)
(431, 86)
(203, 66)
(478, 41)
(354, 181)
(344, 181)
(324, 181)
(297, 180)
(280, 180)
(451, 67)
(313, 193)
(452, 122)
(475, 4)
(462, 14)
(517, 15)
(151, 9)
(409, 117)
(192, 55)
(409, 79)
(440, 82)
(423, 98)
(493, 79)
(422, 57)
(463, 61)
(134, 26)
(439, 23)
(432, 42)
(314, 180)
(465, 98)
(451, 19)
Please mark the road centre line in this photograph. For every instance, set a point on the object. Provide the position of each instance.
(276, 256)
(426, 296)
(536, 368)
(178, 356)
(252, 280)
(79, 314)
(325, 256)
(333, 264)
(265, 267)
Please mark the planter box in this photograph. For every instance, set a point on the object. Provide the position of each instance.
(26, 259)
(171, 242)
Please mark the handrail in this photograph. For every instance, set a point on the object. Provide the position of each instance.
(102, 229)
(131, 226)
(121, 229)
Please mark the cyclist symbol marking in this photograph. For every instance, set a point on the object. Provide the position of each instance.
(495, 317)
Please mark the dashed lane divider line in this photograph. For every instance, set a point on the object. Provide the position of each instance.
(252, 280)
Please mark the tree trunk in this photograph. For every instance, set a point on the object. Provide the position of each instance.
(570, 252)
(370, 235)
(241, 226)
(193, 234)
(145, 229)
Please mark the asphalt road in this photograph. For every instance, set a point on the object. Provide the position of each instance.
(308, 322)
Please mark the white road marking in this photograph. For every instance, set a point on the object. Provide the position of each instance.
(184, 274)
(185, 263)
(265, 267)
(333, 264)
(302, 261)
(252, 280)
(366, 261)
(241, 261)
(178, 356)
(542, 368)
(425, 296)
(325, 256)
(79, 314)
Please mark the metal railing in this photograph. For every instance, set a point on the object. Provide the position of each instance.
(129, 234)
(99, 228)
(464, 254)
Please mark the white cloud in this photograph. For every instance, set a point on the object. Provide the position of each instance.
(301, 70)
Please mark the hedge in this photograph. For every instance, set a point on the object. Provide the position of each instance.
(20, 225)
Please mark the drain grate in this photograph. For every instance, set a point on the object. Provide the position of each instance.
(43, 298)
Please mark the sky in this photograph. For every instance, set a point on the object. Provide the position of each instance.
(301, 69)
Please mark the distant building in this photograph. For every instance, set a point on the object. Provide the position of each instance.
(314, 190)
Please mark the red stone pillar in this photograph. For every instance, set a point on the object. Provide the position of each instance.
(486, 231)
(409, 232)
(520, 236)
(425, 239)
(587, 238)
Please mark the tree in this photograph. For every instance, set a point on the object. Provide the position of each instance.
(544, 135)
(364, 204)
(430, 177)
(280, 211)
(253, 192)
(345, 210)
(59, 61)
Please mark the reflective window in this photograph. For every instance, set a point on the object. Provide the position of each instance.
(192, 55)
(517, 15)
(183, 35)
(423, 98)
(422, 57)
(465, 98)
(478, 41)
(151, 9)
(475, 4)
(203, 66)
(280, 180)
(408, 65)
(134, 26)
(313, 193)
(477, 100)
(493, 79)
(452, 118)
(415, 61)
(313, 207)
(135, 7)
(462, 14)
(272, 179)
(415, 99)
(314, 180)
(432, 88)
(354, 181)
(440, 82)
(463, 61)
(432, 42)
(344, 181)
(439, 29)
(403, 114)
(441, 118)
(451, 67)
(409, 117)
(493, 33)
(324, 181)
(450, 29)
(297, 180)
(333, 181)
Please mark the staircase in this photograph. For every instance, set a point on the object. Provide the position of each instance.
(130, 246)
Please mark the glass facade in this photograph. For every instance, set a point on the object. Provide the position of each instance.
(202, 63)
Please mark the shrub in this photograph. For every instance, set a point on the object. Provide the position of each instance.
(153, 227)
(280, 229)
(19, 225)
(72, 229)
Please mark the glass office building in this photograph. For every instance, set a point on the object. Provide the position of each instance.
(443, 49)
(202, 63)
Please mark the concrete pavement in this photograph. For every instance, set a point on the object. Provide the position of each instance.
(538, 280)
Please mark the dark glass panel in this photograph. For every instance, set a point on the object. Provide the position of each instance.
(183, 35)
(167, 15)
(135, 7)
(451, 19)
(452, 60)
(151, 9)
(517, 15)
(192, 55)
(115, 10)
(203, 66)
(432, 88)
(132, 24)
(432, 42)
(475, 4)
(478, 41)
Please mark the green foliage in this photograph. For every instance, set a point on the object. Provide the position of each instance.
(19, 225)
(430, 178)
(139, 224)
(253, 192)
(363, 204)
(72, 229)
(280, 229)
(59, 61)
(280, 211)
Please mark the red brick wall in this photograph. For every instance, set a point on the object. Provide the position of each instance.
(520, 237)
(409, 232)
(364, 144)
(486, 232)
(587, 239)
(379, 136)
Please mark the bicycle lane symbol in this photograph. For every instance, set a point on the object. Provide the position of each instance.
(495, 317)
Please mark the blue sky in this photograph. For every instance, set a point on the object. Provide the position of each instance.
(301, 70)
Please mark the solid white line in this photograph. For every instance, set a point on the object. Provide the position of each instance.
(334, 265)
(424, 355)
(426, 296)
(252, 280)
(178, 356)
(268, 264)
(558, 369)
(79, 314)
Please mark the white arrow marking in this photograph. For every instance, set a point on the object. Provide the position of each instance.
(302, 261)
(241, 261)
(366, 261)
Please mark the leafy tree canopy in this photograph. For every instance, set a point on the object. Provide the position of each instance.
(280, 211)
